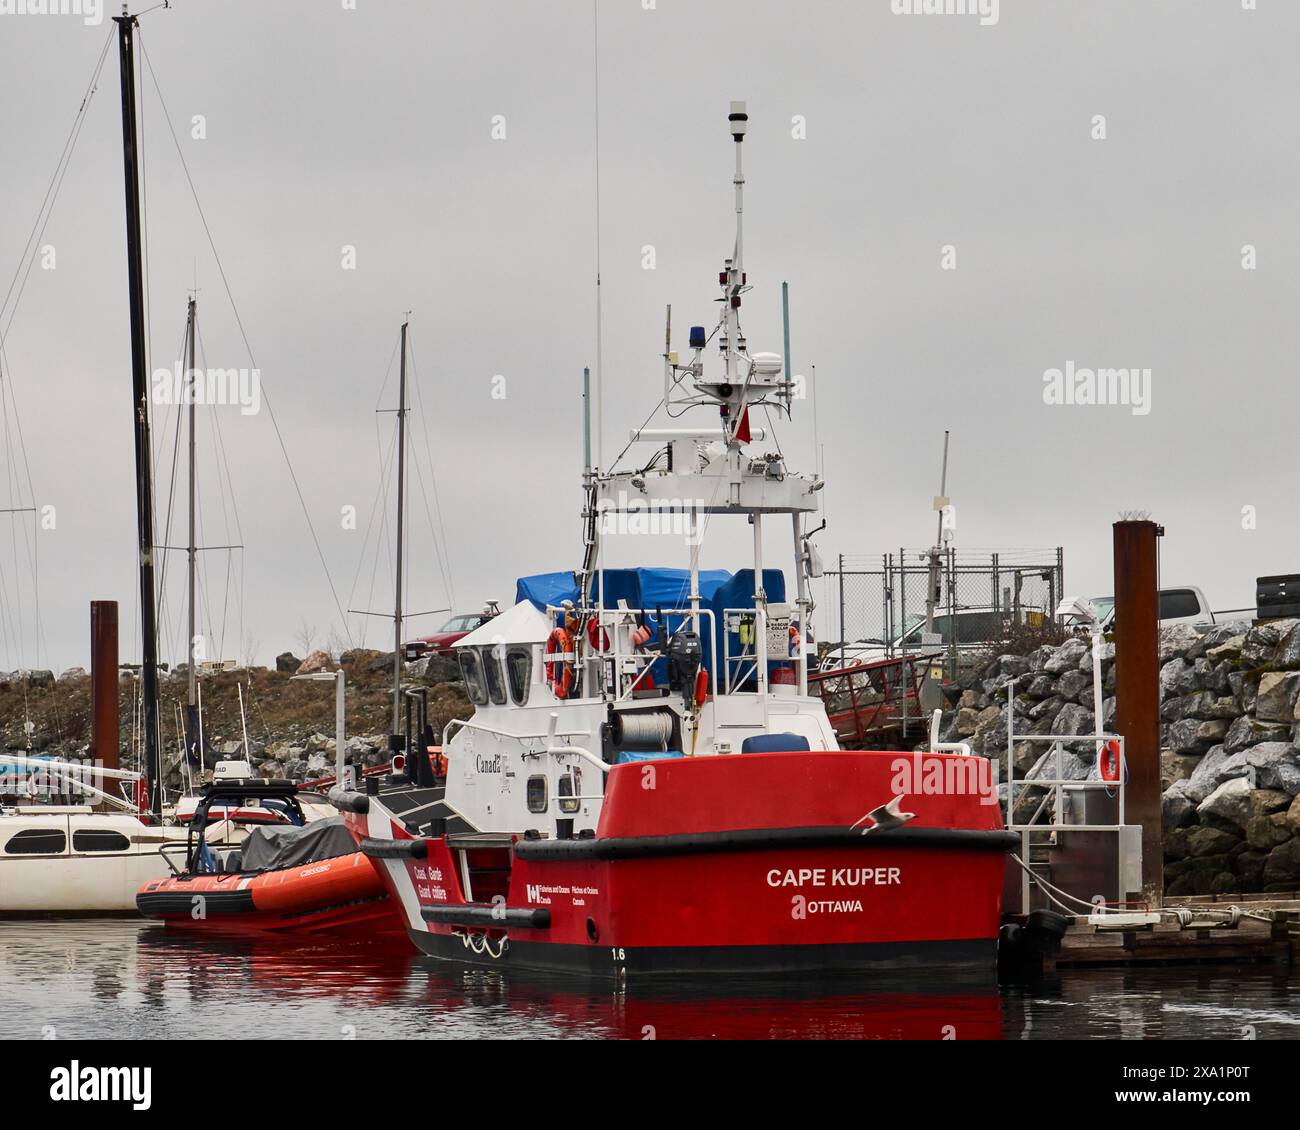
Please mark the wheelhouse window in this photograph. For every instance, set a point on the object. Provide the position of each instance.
(99, 839)
(37, 841)
(537, 794)
(496, 684)
(519, 673)
(471, 670)
(569, 785)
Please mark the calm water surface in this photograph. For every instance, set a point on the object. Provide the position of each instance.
(123, 979)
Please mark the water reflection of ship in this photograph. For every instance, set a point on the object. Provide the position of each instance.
(441, 1000)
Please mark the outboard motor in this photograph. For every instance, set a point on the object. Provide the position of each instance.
(684, 659)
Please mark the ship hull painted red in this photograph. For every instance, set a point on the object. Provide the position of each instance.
(716, 864)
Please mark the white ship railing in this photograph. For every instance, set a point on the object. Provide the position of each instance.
(1057, 789)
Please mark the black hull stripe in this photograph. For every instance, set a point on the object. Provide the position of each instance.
(156, 904)
(764, 839)
(152, 903)
(969, 955)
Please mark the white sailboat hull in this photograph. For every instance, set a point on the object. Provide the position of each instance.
(62, 862)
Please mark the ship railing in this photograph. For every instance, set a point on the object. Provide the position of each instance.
(549, 735)
(632, 666)
(742, 667)
(867, 697)
(1063, 807)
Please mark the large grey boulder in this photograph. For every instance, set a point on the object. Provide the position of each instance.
(446, 669)
(1195, 677)
(1049, 708)
(1073, 767)
(1178, 806)
(1041, 686)
(1198, 704)
(1224, 632)
(1228, 805)
(1265, 832)
(1246, 732)
(1012, 665)
(1191, 735)
(1262, 641)
(1073, 719)
(1066, 656)
(1276, 700)
(1276, 765)
(1283, 866)
(381, 663)
(990, 737)
(1169, 675)
(1211, 841)
(1075, 684)
(1177, 639)
(1039, 656)
(965, 723)
(1107, 657)
(1287, 653)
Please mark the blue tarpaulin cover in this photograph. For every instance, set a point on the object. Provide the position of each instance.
(661, 588)
(629, 756)
(641, 588)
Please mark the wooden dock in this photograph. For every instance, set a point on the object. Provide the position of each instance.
(1272, 938)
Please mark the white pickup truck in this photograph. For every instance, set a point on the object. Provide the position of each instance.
(1186, 605)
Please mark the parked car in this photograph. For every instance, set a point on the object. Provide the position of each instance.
(972, 629)
(1185, 605)
(459, 626)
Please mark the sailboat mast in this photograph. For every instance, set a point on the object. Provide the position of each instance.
(140, 395)
(191, 378)
(401, 525)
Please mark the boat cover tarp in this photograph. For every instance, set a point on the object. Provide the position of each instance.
(662, 588)
(641, 588)
(277, 847)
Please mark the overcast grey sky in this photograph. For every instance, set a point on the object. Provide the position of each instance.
(374, 128)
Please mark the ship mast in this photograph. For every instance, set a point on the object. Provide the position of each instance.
(401, 521)
(191, 696)
(140, 397)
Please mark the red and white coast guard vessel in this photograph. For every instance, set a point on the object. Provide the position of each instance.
(646, 784)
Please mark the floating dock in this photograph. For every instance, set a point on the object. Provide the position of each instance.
(1266, 931)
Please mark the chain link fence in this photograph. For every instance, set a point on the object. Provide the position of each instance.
(945, 602)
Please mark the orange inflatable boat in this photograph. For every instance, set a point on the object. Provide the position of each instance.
(294, 877)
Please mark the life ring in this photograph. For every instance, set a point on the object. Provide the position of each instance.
(559, 662)
(1108, 762)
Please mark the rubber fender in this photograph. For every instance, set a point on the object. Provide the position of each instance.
(1048, 921)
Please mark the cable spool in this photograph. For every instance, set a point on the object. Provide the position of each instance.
(642, 730)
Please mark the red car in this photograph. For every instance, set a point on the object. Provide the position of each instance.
(454, 629)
